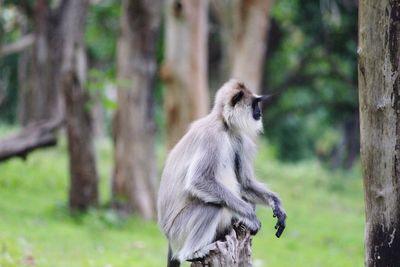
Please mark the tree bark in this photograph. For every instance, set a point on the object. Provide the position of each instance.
(134, 180)
(30, 138)
(245, 26)
(185, 68)
(84, 179)
(379, 95)
(235, 251)
(40, 97)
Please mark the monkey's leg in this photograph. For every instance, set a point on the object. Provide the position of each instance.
(258, 193)
(223, 229)
(194, 229)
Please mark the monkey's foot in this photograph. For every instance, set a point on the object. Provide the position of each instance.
(201, 253)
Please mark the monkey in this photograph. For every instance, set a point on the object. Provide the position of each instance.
(208, 180)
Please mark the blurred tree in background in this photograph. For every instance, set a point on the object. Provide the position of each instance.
(244, 27)
(302, 52)
(184, 70)
(134, 177)
(83, 191)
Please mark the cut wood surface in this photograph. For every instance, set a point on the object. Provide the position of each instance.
(30, 138)
(235, 251)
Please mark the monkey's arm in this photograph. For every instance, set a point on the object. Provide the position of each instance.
(210, 191)
(203, 185)
(256, 192)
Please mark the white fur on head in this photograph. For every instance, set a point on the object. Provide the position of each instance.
(240, 116)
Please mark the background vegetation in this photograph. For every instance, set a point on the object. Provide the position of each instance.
(325, 218)
(309, 153)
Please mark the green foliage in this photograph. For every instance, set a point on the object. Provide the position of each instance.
(312, 64)
(8, 87)
(10, 31)
(325, 217)
(102, 31)
(97, 85)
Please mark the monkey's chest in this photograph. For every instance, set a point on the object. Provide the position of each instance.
(227, 176)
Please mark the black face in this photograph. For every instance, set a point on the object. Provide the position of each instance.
(255, 105)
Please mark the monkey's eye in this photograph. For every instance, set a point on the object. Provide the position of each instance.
(256, 109)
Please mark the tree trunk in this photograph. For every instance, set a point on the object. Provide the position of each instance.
(84, 180)
(185, 67)
(245, 26)
(134, 178)
(235, 251)
(379, 95)
(40, 97)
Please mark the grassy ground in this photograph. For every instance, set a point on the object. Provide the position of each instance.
(325, 218)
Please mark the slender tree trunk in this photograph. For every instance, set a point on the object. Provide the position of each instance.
(40, 97)
(245, 27)
(379, 94)
(134, 178)
(84, 180)
(185, 67)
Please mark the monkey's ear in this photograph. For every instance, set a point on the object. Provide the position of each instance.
(236, 98)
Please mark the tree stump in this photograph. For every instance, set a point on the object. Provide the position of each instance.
(235, 251)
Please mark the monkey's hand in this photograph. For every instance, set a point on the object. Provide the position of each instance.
(281, 215)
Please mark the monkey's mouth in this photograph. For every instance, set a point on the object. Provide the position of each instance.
(256, 105)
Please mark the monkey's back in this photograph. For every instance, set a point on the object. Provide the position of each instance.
(173, 196)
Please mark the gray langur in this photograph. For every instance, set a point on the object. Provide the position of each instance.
(208, 179)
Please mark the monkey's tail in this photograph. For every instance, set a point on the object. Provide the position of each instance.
(172, 262)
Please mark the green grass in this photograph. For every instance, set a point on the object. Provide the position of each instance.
(324, 227)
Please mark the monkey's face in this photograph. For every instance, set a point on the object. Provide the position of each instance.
(243, 112)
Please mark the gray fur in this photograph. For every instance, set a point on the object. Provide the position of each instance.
(208, 177)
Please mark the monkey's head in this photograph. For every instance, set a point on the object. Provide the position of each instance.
(239, 108)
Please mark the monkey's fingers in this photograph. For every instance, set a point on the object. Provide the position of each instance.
(242, 227)
(280, 226)
(279, 231)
